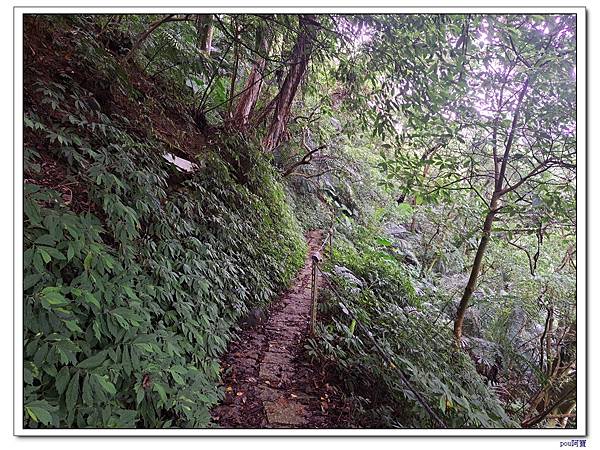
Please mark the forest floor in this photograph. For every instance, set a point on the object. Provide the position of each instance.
(268, 381)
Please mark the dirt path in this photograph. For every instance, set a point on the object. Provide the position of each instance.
(267, 384)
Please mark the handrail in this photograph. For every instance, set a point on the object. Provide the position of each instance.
(388, 360)
(316, 258)
(328, 239)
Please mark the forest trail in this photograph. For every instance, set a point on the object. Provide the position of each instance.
(267, 384)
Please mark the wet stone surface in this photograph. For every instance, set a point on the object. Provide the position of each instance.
(266, 383)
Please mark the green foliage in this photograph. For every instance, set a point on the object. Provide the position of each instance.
(133, 288)
(312, 214)
(412, 85)
(135, 274)
(412, 337)
(371, 257)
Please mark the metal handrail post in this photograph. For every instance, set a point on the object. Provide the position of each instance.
(313, 296)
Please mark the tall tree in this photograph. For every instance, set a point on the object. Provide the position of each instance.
(298, 64)
(251, 92)
(532, 80)
(498, 91)
(500, 189)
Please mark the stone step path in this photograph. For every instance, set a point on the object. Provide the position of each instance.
(267, 384)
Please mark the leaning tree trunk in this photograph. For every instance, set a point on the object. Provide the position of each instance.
(483, 243)
(298, 65)
(499, 190)
(251, 92)
(551, 400)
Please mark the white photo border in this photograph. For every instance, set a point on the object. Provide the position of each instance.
(582, 280)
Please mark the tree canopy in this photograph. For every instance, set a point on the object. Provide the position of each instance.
(438, 149)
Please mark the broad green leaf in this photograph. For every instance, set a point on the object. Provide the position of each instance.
(39, 414)
(161, 391)
(62, 380)
(45, 256)
(72, 393)
(93, 361)
(106, 384)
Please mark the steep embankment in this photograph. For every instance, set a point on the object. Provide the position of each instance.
(385, 343)
(135, 274)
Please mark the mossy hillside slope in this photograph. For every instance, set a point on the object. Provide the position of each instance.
(134, 275)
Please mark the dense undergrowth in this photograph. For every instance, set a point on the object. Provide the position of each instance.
(371, 291)
(135, 275)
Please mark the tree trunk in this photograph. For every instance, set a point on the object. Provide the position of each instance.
(499, 191)
(562, 402)
(205, 32)
(298, 65)
(235, 68)
(568, 413)
(549, 356)
(483, 243)
(251, 92)
(543, 338)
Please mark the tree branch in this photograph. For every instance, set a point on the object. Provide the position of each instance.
(511, 137)
(536, 171)
(153, 26)
(531, 268)
(306, 159)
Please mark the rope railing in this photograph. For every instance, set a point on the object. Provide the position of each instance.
(316, 260)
